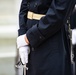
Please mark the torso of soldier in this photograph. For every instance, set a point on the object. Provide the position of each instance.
(38, 6)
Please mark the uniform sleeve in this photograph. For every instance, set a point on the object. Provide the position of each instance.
(22, 18)
(49, 24)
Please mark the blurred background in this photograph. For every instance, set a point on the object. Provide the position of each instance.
(9, 10)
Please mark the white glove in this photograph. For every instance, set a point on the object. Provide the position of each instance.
(74, 36)
(21, 41)
(23, 52)
(23, 48)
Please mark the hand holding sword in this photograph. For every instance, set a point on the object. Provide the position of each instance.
(24, 50)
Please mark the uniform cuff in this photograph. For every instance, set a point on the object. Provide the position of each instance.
(21, 32)
(34, 36)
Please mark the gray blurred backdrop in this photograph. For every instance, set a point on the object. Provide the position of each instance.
(8, 32)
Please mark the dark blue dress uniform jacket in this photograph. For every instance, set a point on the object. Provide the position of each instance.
(50, 51)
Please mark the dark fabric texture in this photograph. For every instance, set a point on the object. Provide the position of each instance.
(74, 51)
(73, 19)
(48, 37)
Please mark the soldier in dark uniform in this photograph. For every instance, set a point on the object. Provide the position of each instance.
(41, 21)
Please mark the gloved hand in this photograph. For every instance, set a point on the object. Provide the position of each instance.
(23, 48)
(21, 41)
(23, 52)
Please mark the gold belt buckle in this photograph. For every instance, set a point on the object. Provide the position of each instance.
(32, 15)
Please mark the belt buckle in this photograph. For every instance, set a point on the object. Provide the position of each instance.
(30, 15)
